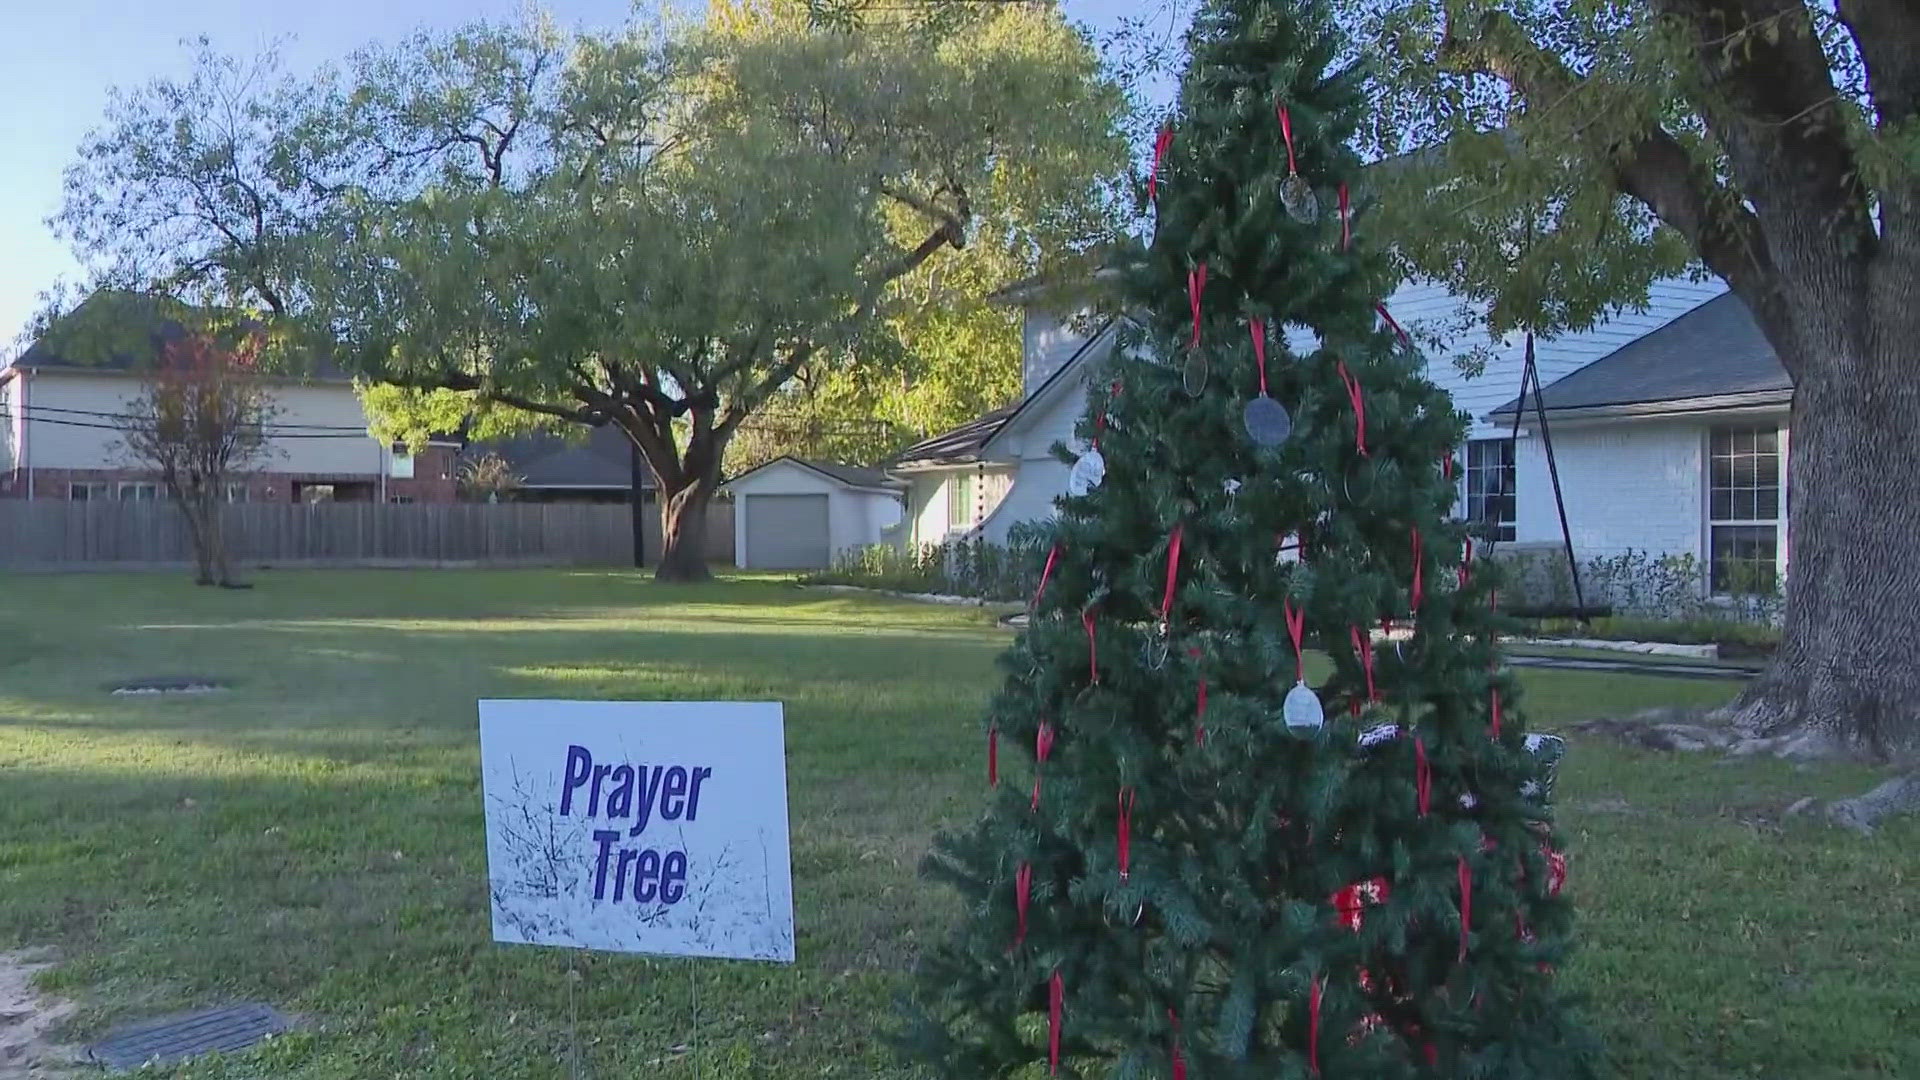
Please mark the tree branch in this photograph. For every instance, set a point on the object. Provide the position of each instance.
(1650, 165)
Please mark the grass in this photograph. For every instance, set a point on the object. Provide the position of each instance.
(313, 837)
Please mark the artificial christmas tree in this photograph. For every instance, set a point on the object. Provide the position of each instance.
(1208, 867)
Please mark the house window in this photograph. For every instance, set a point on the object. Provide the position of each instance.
(1744, 482)
(139, 491)
(90, 492)
(237, 493)
(1489, 483)
(400, 500)
(400, 464)
(960, 502)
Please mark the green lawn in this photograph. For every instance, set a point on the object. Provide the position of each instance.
(313, 837)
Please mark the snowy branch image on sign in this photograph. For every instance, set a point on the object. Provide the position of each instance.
(639, 826)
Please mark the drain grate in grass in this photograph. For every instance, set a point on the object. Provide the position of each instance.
(174, 1039)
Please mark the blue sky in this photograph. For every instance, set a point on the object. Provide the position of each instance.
(58, 60)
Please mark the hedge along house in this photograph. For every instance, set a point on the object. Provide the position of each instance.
(794, 514)
(1645, 409)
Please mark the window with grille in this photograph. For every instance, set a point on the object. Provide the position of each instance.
(1490, 487)
(1745, 485)
(89, 492)
(960, 502)
(139, 491)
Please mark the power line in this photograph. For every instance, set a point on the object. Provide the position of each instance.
(31, 419)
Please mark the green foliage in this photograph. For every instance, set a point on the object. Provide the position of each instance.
(1744, 637)
(663, 228)
(1221, 919)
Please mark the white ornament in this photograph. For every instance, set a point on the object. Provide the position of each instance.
(1086, 473)
(1530, 789)
(1379, 733)
(1468, 801)
(1302, 710)
(1232, 487)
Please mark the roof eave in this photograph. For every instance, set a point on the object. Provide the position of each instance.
(1671, 407)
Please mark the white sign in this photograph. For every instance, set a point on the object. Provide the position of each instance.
(639, 826)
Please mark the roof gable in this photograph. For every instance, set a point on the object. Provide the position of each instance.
(853, 476)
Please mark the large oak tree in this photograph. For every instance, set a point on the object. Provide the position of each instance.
(1573, 151)
(659, 229)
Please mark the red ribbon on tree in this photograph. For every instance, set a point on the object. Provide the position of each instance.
(1196, 285)
(1493, 725)
(1200, 708)
(1446, 465)
(1466, 564)
(1093, 655)
(1053, 559)
(1419, 589)
(1179, 1062)
(1022, 893)
(993, 756)
(1405, 338)
(1422, 776)
(1286, 133)
(1160, 144)
(1556, 870)
(1346, 223)
(1313, 1025)
(1466, 904)
(1125, 839)
(1364, 650)
(1296, 629)
(1257, 326)
(1359, 402)
(1056, 1000)
(1042, 749)
(1173, 571)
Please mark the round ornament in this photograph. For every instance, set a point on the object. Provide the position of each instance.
(1301, 710)
(1266, 421)
(1086, 474)
(1159, 646)
(1298, 200)
(1193, 374)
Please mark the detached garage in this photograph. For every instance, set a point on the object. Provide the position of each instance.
(791, 514)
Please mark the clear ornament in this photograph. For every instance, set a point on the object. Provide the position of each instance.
(1231, 487)
(1193, 374)
(1086, 474)
(1298, 200)
(1266, 421)
(1159, 647)
(1302, 710)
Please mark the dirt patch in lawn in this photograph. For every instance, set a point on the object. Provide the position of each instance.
(27, 1019)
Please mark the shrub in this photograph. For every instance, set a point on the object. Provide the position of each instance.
(972, 567)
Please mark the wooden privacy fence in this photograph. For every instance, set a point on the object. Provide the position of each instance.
(48, 534)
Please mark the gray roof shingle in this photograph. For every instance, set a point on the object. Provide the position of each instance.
(955, 446)
(603, 459)
(1715, 351)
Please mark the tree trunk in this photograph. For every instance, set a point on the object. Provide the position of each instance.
(216, 541)
(197, 536)
(1846, 677)
(683, 532)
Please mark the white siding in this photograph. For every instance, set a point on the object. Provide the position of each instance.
(854, 518)
(1635, 484)
(84, 397)
(1048, 340)
(10, 421)
(928, 496)
(1430, 308)
(1035, 486)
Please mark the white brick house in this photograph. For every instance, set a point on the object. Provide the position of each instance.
(1668, 427)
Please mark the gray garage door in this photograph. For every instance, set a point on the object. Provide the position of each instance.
(787, 532)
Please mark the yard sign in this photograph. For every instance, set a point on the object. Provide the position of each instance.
(639, 826)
